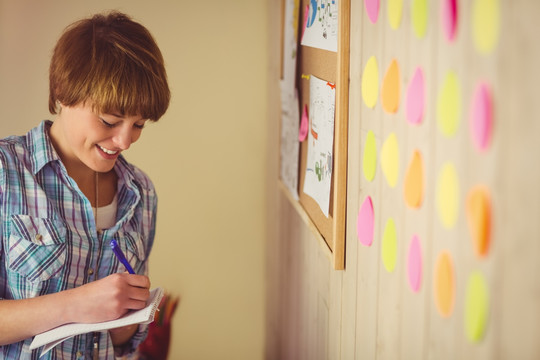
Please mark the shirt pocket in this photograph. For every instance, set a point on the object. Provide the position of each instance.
(37, 248)
(133, 245)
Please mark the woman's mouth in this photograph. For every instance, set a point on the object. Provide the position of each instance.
(106, 153)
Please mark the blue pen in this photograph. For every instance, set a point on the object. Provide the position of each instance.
(120, 255)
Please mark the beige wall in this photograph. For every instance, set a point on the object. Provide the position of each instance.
(204, 155)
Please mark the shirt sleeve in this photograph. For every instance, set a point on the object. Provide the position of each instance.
(131, 346)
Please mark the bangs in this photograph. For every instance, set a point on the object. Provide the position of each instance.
(123, 87)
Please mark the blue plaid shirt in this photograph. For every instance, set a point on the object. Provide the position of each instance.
(48, 236)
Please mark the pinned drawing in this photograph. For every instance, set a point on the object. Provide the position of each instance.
(321, 25)
(318, 176)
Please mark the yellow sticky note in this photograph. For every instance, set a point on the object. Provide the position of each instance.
(476, 307)
(395, 12)
(390, 159)
(390, 91)
(413, 187)
(370, 82)
(444, 286)
(449, 105)
(486, 19)
(370, 156)
(448, 195)
(389, 245)
(419, 15)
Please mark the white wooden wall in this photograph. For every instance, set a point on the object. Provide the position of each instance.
(365, 312)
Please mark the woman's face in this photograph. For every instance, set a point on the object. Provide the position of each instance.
(82, 137)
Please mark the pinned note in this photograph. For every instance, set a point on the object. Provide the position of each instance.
(390, 160)
(444, 286)
(372, 9)
(416, 98)
(419, 15)
(413, 189)
(370, 82)
(369, 163)
(476, 307)
(449, 105)
(304, 125)
(395, 12)
(390, 91)
(486, 22)
(365, 222)
(479, 219)
(389, 245)
(481, 117)
(448, 195)
(414, 264)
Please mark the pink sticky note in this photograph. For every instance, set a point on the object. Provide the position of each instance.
(372, 9)
(481, 117)
(449, 14)
(416, 98)
(415, 264)
(365, 223)
(304, 125)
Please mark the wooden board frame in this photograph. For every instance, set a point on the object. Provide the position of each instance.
(334, 68)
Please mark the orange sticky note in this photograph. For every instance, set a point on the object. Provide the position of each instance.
(444, 286)
(390, 90)
(413, 188)
(479, 219)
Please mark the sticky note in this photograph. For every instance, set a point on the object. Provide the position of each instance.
(372, 9)
(448, 195)
(415, 104)
(369, 163)
(476, 307)
(389, 245)
(304, 125)
(419, 15)
(365, 222)
(444, 284)
(390, 160)
(390, 91)
(413, 189)
(395, 12)
(414, 264)
(370, 82)
(479, 219)
(449, 105)
(481, 117)
(486, 19)
(449, 18)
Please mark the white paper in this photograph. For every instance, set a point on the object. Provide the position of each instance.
(290, 41)
(321, 25)
(59, 334)
(289, 144)
(290, 107)
(318, 178)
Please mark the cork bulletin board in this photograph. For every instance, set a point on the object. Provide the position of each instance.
(333, 68)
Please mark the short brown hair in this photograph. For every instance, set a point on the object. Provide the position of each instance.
(112, 62)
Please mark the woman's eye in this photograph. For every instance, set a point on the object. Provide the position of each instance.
(107, 124)
(139, 126)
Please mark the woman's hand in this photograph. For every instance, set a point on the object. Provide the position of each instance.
(111, 297)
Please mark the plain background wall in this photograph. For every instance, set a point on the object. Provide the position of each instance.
(205, 155)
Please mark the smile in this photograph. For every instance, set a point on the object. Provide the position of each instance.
(107, 151)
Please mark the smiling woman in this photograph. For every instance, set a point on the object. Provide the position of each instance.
(66, 191)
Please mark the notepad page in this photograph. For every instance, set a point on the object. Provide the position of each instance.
(61, 333)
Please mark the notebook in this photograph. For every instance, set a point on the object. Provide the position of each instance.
(55, 336)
